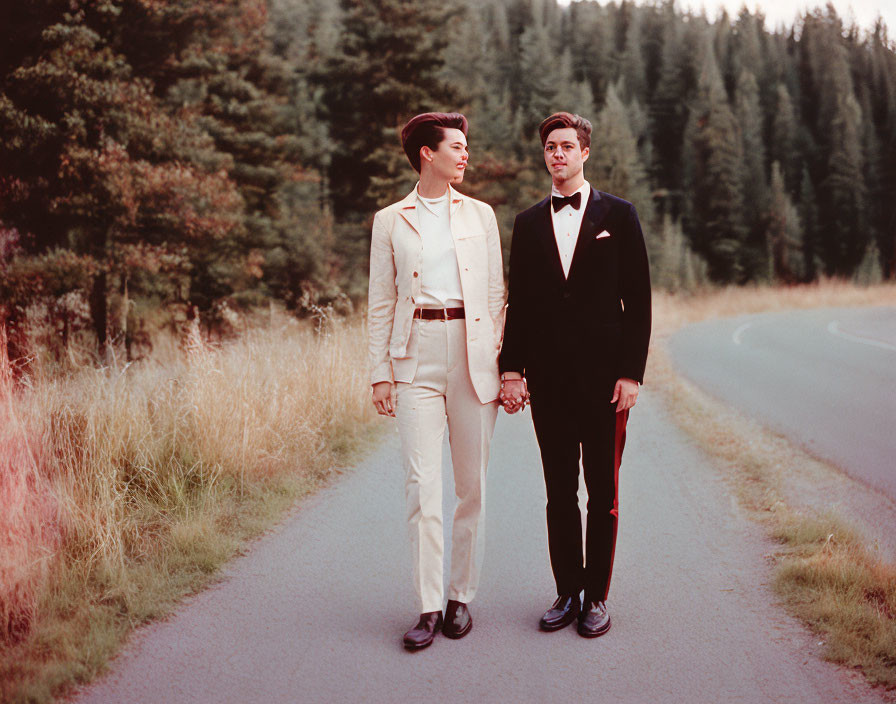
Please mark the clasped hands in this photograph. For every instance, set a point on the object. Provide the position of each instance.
(514, 394)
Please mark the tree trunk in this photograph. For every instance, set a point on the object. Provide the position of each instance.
(99, 312)
(123, 324)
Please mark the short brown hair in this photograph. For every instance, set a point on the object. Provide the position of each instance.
(560, 120)
(428, 130)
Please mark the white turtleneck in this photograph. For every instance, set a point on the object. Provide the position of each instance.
(440, 277)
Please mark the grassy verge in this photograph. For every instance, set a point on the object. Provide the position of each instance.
(126, 489)
(826, 573)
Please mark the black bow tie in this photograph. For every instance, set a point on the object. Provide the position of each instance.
(575, 200)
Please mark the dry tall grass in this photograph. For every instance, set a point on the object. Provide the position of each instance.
(29, 525)
(125, 488)
(670, 312)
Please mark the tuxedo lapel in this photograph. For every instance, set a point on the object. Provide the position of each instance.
(595, 212)
(544, 228)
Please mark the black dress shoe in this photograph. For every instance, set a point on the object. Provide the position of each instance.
(458, 621)
(422, 634)
(561, 614)
(594, 620)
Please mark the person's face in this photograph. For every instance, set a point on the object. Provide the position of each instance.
(449, 159)
(563, 154)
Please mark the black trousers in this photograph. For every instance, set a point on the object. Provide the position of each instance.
(565, 435)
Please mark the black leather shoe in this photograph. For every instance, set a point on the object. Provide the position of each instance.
(421, 635)
(594, 620)
(561, 614)
(458, 621)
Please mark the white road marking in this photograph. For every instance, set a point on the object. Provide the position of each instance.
(834, 329)
(740, 331)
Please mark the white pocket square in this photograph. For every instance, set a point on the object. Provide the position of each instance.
(601, 235)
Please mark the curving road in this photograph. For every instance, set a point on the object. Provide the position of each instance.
(825, 378)
(315, 610)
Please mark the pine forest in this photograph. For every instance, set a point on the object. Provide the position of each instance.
(169, 160)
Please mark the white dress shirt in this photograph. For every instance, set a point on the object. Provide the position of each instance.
(440, 277)
(567, 223)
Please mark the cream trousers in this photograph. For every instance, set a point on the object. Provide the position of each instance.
(442, 391)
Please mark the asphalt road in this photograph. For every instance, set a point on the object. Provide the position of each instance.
(825, 378)
(315, 610)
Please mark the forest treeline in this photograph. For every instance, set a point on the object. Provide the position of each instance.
(161, 159)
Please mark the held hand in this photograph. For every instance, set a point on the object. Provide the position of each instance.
(626, 393)
(514, 395)
(382, 398)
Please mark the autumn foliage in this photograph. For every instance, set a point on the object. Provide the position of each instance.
(120, 177)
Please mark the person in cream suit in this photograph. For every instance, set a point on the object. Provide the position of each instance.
(435, 320)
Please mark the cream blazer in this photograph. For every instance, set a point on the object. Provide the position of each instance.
(396, 253)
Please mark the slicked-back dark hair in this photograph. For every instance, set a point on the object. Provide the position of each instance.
(560, 120)
(428, 130)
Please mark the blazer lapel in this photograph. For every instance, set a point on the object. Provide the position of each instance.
(407, 208)
(455, 198)
(595, 212)
(544, 227)
(455, 201)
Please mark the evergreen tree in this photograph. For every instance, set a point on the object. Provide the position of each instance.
(808, 214)
(541, 77)
(881, 87)
(368, 92)
(844, 230)
(245, 101)
(673, 265)
(472, 47)
(615, 165)
(868, 272)
(747, 43)
(754, 186)
(654, 18)
(633, 69)
(303, 30)
(723, 47)
(570, 93)
(784, 233)
(589, 31)
(784, 140)
(714, 178)
(668, 109)
(837, 166)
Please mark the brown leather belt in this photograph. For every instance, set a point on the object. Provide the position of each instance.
(438, 313)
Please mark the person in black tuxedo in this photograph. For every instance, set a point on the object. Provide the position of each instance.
(575, 347)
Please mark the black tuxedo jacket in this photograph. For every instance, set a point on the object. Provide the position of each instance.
(573, 337)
